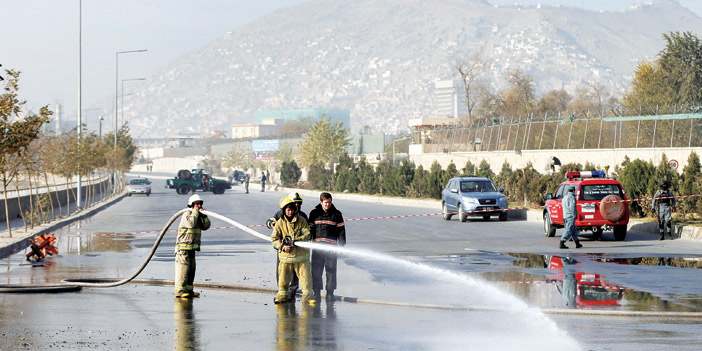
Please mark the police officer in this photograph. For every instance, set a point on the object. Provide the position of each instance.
(663, 205)
(192, 223)
(570, 212)
(270, 223)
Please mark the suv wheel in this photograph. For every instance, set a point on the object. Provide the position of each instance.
(619, 232)
(549, 229)
(462, 216)
(184, 189)
(447, 216)
(503, 216)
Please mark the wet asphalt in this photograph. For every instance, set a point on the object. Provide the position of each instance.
(468, 286)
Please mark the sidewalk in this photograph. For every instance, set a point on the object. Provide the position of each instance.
(20, 237)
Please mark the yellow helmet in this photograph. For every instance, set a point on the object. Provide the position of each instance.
(285, 201)
(295, 197)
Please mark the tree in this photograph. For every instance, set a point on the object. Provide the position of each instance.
(691, 185)
(238, 158)
(420, 183)
(318, 177)
(436, 180)
(16, 133)
(324, 142)
(485, 171)
(469, 72)
(290, 173)
(299, 126)
(635, 177)
(673, 81)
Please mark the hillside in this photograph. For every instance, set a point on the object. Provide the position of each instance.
(380, 58)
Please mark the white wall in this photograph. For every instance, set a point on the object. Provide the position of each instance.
(540, 159)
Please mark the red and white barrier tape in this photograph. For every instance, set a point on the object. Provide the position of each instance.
(379, 217)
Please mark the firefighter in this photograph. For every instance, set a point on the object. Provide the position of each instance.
(570, 212)
(192, 223)
(663, 206)
(327, 226)
(289, 229)
(270, 223)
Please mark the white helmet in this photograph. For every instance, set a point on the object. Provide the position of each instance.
(194, 198)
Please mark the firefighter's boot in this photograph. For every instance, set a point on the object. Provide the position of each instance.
(309, 299)
(280, 298)
(563, 246)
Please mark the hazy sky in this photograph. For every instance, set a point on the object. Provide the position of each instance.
(40, 38)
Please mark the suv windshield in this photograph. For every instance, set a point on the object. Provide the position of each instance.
(597, 192)
(472, 186)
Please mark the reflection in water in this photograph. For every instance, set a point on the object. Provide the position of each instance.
(310, 329)
(580, 289)
(185, 325)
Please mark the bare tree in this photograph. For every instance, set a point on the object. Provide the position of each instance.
(469, 71)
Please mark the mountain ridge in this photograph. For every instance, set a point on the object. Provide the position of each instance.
(380, 59)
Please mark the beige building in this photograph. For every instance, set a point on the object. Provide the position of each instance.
(268, 127)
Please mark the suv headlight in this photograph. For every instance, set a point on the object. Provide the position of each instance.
(471, 200)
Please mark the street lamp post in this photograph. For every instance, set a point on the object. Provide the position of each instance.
(121, 107)
(100, 130)
(114, 187)
(117, 84)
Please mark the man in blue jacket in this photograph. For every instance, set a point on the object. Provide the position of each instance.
(570, 212)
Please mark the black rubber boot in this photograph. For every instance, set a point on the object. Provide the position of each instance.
(563, 246)
(577, 244)
(662, 236)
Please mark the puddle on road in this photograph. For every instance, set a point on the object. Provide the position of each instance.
(590, 281)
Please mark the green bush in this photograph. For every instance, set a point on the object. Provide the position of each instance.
(290, 173)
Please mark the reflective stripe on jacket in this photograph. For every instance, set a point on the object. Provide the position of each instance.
(328, 226)
(192, 223)
(298, 230)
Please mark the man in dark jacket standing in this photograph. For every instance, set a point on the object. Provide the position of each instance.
(327, 227)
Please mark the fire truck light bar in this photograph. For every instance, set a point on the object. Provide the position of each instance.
(586, 174)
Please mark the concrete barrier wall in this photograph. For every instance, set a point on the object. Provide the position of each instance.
(541, 159)
(57, 196)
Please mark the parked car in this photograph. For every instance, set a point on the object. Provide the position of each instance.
(465, 195)
(139, 186)
(236, 177)
(601, 204)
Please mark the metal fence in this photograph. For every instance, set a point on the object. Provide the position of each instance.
(563, 132)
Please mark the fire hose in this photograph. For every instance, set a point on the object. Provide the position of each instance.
(68, 285)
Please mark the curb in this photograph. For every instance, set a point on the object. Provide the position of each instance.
(19, 243)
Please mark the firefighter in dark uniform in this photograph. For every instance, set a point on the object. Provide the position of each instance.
(327, 227)
(663, 206)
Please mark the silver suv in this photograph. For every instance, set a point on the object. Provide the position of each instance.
(465, 195)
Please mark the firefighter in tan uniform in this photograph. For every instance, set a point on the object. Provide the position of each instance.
(192, 223)
(289, 229)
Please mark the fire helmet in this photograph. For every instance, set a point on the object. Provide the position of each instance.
(193, 199)
(295, 197)
(285, 201)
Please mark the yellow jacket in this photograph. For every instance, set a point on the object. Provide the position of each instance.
(299, 230)
(192, 223)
